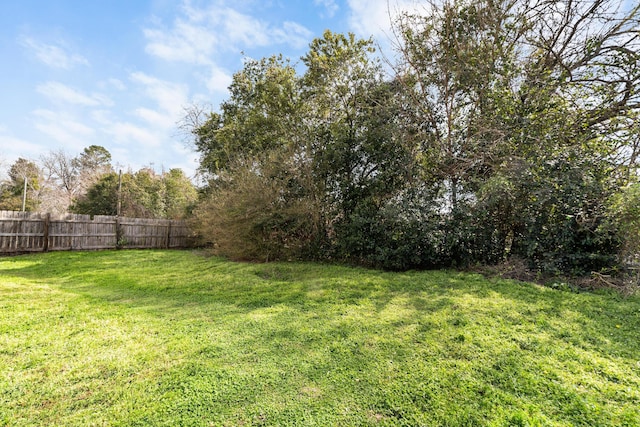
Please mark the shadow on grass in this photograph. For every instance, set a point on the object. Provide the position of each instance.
(165, 282)
(169, 280)
(395, 344)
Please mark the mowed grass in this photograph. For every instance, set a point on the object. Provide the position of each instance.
(168, 338)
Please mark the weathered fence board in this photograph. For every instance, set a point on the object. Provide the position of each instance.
(40, 232)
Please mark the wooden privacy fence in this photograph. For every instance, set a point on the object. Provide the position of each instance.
(42, 232)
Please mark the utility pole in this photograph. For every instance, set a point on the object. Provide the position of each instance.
(24, 194)
(119, 193)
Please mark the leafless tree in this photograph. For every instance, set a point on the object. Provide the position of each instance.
(60, 180)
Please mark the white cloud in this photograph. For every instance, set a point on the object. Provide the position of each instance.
(369, 18)
(186, 42)
(13, 147)
(201, 32)
(293, 34)
(64, 128)
(331, 6)
(54, 56)
(374, 17)
(133, 135)
(169, 97)
(60, 93)
(153, 117)
(103, 117)
(219, 80)
(115, 84)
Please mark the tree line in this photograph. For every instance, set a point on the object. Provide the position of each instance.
(88, 184)
(506, 128)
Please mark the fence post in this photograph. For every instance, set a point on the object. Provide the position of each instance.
(118, 232)
(45, 232)
(169, 234)
(19, 232)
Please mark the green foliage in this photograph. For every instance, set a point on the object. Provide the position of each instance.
(399, 235)
(358, 153)
(499, 135)
(624, 217)
(100, 199)
(177, 338)
(179, 193)
(12, 192)
(294, 157)
(521, 151)
(144, 195)
(259, 116)
(261, 203)
(93, 158)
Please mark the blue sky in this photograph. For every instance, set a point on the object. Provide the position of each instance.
(118, 73)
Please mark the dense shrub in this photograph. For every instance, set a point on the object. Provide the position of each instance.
(258, 215)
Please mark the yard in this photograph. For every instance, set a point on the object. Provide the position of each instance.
(137, 338)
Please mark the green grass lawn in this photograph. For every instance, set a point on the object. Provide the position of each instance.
(153, 338)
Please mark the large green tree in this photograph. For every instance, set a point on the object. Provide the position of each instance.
(525, 110)
(93, 162)
(359, 156)
(259, 116)
(12, 195)
(101, 198)
(321, 145)
(260, 201)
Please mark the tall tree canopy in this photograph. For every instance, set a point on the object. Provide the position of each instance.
(508, 129)
(319, 144)
(67, 178)
(144, 194)
(524, 117)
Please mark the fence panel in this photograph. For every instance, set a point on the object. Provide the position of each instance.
(78, 232)
(180, 236)
(21, 231)
(144, 233)
(39, 232)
